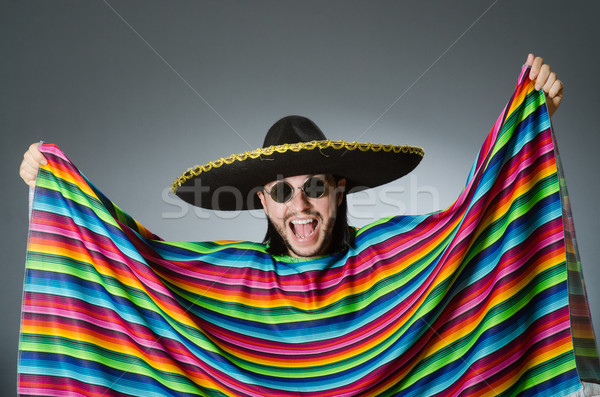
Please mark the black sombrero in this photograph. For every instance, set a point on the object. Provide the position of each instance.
(293, 146)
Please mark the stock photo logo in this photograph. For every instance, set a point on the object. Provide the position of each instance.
(363, 205)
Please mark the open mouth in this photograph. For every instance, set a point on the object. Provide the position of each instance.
(304, 228)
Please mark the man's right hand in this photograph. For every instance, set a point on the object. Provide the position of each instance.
(31, 162)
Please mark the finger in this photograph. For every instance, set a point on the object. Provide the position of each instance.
(556, 91)
(36, 154)
(30, 164)
(542, 77)
(530, 59)
(30, 182)
(549, 82)
(535, 67)
(29, 161)
(30, 168)
(34, 158)
(554, 97)
(27, 176)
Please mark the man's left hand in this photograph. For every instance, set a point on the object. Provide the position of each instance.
(546, 80)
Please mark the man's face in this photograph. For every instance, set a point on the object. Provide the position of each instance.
(305, 224)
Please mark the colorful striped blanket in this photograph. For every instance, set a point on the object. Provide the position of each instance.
(484, 298)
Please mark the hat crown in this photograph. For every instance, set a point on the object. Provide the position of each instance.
(293, 129)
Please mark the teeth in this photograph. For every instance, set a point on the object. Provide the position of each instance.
(302, 221)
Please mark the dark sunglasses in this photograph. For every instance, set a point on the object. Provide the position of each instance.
(314, 187)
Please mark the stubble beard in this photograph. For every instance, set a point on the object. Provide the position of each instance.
(325, 230)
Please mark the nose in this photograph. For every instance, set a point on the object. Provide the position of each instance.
(299, 201)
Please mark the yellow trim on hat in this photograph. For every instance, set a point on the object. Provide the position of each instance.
(295, 147)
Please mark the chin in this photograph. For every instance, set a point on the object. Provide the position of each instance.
(306, 251)
(304, 243)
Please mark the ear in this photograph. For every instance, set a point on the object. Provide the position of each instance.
(340, 190)
(262, 199)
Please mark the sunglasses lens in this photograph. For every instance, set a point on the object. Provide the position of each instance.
(314, 187)
(281, 192)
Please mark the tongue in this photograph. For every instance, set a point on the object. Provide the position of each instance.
(303, 230)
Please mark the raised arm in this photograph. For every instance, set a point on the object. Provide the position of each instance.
(31, 162)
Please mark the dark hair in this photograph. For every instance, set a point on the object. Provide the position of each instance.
(342, 235)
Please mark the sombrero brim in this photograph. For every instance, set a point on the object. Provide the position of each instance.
(231, 183)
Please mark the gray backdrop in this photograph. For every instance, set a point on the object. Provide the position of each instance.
(135, 92)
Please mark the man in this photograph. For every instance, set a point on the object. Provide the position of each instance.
(299, 178)
(470, 301)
